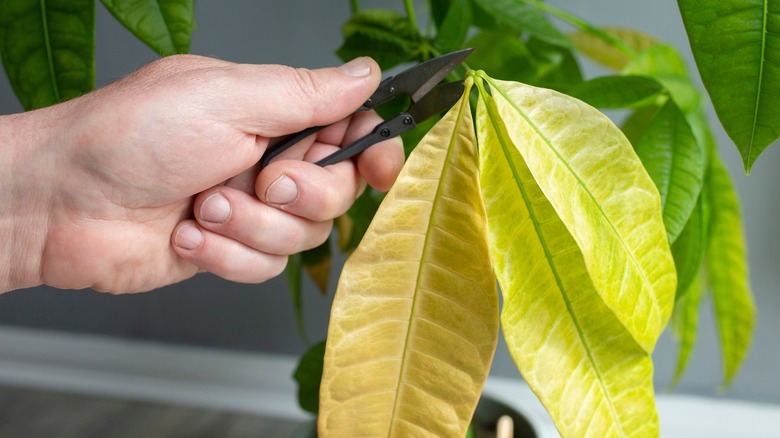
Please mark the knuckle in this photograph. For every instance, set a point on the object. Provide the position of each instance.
(316, 236)
(308, 82)
(333, 202)
(309, 87)
(337, 199)
(290, 242)
(322, 234)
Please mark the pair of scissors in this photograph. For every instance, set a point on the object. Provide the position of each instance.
(427, 98)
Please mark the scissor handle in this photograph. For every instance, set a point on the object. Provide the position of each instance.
(384, 92)
(286, 143)
(393, 127)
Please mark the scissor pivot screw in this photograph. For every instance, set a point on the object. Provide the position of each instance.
(385, 132)
(392, 90)
(407, 120)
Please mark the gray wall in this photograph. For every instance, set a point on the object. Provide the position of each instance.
(207, 311)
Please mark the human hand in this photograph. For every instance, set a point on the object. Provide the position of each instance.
(148, 180)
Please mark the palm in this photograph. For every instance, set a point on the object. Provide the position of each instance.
(136, 161)
(114, 231)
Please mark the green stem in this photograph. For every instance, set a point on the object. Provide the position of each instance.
(583, 25)
(355, 6)
(410, 14)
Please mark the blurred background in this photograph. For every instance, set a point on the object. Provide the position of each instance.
(206, 311)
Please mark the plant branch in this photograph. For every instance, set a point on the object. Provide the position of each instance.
(354, 6)
(410, 14)
(583, 25)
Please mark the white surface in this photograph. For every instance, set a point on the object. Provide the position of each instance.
(228, 380)
(263, 384)
(681, 416)
(690, 417)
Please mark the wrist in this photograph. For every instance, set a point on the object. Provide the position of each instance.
(27, 170)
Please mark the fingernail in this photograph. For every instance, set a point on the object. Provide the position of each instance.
(215, 208)
(282, 191)
(188, 237)
(358, 67)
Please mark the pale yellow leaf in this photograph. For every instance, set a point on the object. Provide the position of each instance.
(583, 364)
(596, 184)
(727, 272)
(415, 319)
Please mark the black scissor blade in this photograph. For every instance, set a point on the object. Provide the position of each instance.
(438, 100)
(417, 81)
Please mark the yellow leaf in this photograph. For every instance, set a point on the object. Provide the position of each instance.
(345, 225)
(607, 55)
(415, 319)
(596, 184)
(320, 273)
(583, 364)
(317, 262)
(727, 272)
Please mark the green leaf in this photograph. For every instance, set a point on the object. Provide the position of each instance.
(502, 55)
(556, 67)
(691, 245)
(308, 374)
(295, 285)
(676, 162)
(453, 29)
(685, 323)
(636, 123)
(317, 262)
(736, 45)
(727, 272)
(618, 91)
(485, 20)
(415, 319)
(48, 49)
(593, 179)
(382, 34)
(525, 19)
(439, 10)
(689, 251)
(576, 355)
(602, 52)
(163, 25)
(505, 56)
(664, 64)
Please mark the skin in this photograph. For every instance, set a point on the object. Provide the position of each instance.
(151, 179)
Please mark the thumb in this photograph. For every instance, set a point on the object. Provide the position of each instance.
(286, 100)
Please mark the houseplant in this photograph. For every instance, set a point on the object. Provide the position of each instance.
(515, 42)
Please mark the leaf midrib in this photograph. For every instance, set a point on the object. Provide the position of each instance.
(47, 47)
(549, 257)
(759, 86)
(417, 290)
(581, 184)
(168, 31)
